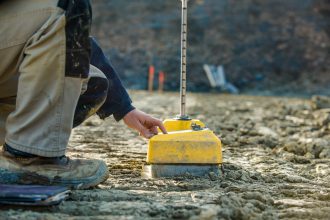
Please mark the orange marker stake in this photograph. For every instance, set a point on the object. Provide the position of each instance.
(161, 80)
(151, 78)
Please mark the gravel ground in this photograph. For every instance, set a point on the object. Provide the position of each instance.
(276, 158)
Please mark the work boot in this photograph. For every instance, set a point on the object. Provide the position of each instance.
(63, 171)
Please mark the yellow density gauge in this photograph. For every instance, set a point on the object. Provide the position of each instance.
(189, 147)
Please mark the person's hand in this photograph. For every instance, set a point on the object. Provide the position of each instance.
(143, 123)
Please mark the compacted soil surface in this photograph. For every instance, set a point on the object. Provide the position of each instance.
(276, 160)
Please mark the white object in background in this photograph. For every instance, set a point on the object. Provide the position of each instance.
(220, 76)
(217, 78)
(232, 89)
(209, 75)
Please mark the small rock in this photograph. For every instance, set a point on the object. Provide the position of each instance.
(245, 177)
(300, 160)
(293, 147)
(207, 212)
(264, 198)
(267, 132)
(309, 155)
(320, 102)
(322, 117)
(213, 176)
(234, 175)
(325, 153)
(295, 120)
(271, 142)
(316, 147)
(322, 169)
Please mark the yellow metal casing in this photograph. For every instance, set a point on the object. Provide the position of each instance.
(184, 147)
(180, 125)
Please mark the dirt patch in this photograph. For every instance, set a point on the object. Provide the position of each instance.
(276, 155)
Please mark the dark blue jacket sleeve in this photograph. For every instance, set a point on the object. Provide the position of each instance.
(118, 102)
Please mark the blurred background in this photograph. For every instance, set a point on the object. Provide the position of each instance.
(273, 47)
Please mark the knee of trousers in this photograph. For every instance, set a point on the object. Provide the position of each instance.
(91, 100)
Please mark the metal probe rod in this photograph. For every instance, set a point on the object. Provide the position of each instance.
(184, 30)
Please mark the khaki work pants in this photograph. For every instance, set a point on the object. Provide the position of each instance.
(37, 99)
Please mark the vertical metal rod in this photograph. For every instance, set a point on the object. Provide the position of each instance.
(184, 31)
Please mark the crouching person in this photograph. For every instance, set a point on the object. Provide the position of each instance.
(53, 76)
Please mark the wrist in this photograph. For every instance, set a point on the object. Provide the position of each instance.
(121, 114)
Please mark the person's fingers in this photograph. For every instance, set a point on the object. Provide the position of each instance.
(154, 130)
(160, 124)
(144, 131)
